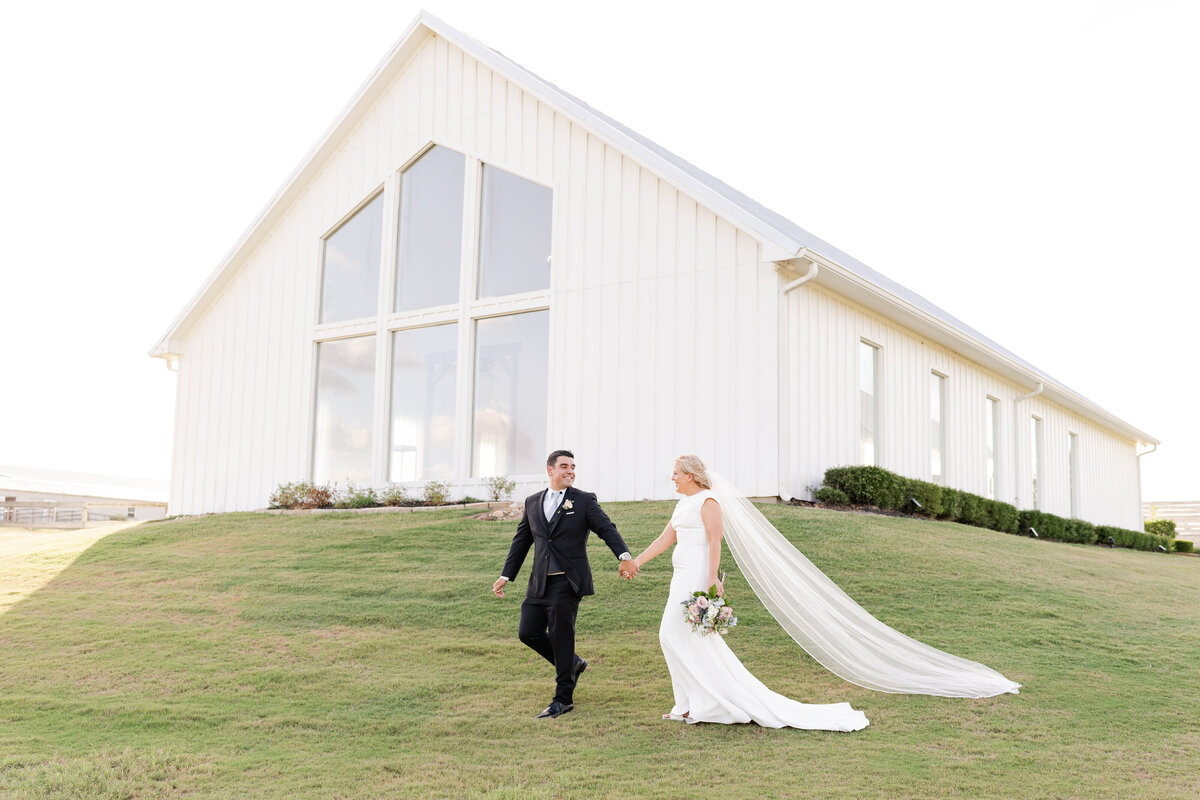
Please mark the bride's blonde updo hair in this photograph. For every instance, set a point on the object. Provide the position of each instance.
(693, 466)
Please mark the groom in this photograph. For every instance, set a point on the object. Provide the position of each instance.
(556, 522)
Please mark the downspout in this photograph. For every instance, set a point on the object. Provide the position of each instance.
(1141, 503)
(1041, 387)
(781, 423)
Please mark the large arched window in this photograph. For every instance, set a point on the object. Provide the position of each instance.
(458, 349)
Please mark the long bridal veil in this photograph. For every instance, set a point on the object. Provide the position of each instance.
(830, 626)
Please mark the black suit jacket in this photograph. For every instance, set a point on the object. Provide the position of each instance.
(566, 534)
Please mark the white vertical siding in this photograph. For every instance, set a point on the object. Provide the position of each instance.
(663, 334)
(824, 331)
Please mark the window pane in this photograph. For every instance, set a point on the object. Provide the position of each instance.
(992, 434)
(514, 254)
(345, 386)
(511, 364)
(350, 287)
(1035, 447)
(937, 428)
(424, 368)
(1073, 471)
(431, 218)
(867, 406)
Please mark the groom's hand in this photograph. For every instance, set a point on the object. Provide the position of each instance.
(628, 569)
(498, 587)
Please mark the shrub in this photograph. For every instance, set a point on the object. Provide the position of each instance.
(831, 497)
(394, 495)
(435, 493)
(1004, 516)
(868, 486)
(287, 495)
(971, 510)
(355, 497)
(952, 502)
(1161, 527)
(318, 496)
(929, 495)
(1184, 546)
(1122, 537)
(1048, 526)
(500, 487)
(468, 500)
(301, 494)
(1081, 531)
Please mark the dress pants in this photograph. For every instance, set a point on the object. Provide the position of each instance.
(548, 627)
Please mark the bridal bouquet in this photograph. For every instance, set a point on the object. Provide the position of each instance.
(707, 613)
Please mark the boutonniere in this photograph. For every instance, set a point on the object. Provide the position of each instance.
(568, 505)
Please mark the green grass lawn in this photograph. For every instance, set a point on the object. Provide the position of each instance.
(344, 655)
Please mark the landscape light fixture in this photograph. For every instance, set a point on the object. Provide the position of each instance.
(1163, 549)
(913, 500)
(1034, 532)
(1111, 542)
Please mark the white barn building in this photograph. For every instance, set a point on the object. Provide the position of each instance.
(473, 267)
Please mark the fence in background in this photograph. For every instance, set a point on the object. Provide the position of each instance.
(70, 513)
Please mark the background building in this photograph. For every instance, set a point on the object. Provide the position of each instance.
(473, 267)
(32, 497)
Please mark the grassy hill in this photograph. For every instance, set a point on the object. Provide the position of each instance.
(345, 655)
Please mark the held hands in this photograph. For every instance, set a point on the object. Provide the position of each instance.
(498, 587)
(628, 569)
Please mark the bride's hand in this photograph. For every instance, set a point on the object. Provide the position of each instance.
(720, 587)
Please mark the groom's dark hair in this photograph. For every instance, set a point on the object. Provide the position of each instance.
(552, 459)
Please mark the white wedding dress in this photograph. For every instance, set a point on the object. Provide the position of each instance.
(709, 681)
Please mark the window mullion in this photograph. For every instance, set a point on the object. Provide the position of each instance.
(467, 281)
(383, 349)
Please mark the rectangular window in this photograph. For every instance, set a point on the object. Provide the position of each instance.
(431, 225)
(511, 363)
(937, 427)
(992, 440)
(1035, 455)
(868, 409)
(424, 371)
(514, 249)
(343, 427)
(350, 266)
(1073, 471)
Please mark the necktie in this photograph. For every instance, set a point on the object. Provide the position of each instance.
(552, 505)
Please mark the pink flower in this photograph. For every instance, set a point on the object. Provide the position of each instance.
(702, 602)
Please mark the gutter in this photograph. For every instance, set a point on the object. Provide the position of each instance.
(1140, 506)
(782, 426)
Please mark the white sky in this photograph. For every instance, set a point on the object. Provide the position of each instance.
(1031, 167)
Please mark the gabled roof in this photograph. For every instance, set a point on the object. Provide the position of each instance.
(782, 239)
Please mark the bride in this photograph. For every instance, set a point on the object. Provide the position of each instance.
(710, 683)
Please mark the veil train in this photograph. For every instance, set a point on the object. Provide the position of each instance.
(830, 626)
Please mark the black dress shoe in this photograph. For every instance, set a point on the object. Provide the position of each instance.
(580, 666)
(555, 709)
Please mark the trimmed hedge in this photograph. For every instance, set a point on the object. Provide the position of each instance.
(868, 486)
(929, 495)
(1184, 546)
(877, 487)
(831, 497)
(1132, 539)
